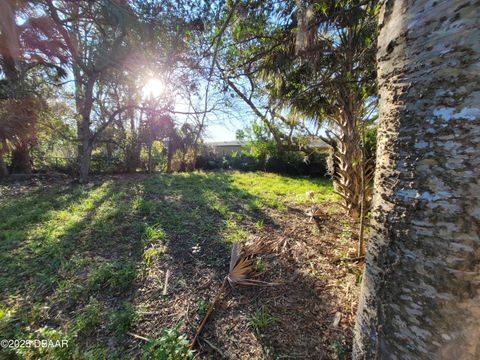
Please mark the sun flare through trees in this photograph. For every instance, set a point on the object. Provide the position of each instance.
(211, 179)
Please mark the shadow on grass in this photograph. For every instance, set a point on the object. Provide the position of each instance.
(78, 262)
(199, 213)
(73, 258)
(53, 263)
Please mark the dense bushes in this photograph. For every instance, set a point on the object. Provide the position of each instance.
(262, 152)
(292, 163)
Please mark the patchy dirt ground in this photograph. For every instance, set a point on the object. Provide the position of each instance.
(183, 226)
(309, 315)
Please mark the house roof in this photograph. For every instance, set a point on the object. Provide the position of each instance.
(317, 142)
(226, 143)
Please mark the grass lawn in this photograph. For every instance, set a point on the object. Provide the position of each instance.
(88, 264)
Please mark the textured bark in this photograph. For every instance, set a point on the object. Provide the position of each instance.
(350, 163)
(420, 295)
(84, 159)
(133, 149)
(132, 156)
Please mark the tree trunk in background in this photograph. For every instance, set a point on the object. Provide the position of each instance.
(420, 295)
(349, 165)
(133, 149)
(84, 159)
(84, 104)
(149, 161)
(3, 166)
(21, 161)
(132, 155)
(170, 151)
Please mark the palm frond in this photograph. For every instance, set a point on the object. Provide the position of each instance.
(241, 272)
(241, 264)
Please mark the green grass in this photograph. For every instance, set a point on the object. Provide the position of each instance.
(71, 256)
(115, 276)
(261, 319)
(273, 189)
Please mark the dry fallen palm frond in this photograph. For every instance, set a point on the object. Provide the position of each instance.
(241, 272)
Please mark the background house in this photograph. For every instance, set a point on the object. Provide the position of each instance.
(219, 149)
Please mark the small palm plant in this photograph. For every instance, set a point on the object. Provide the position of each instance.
(241, 272)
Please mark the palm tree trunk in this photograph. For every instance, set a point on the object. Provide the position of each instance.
(420, 295)
(349, 161)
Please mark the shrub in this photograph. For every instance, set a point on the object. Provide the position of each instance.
(261, 319)
(290, 162)
(340, 350)
(89, 319)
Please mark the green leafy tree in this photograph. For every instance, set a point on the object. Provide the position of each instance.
(314, 59)
(110, 41)
(95, 34)
(24, 49)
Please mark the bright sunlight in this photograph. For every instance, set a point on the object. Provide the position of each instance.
(155, 155)
(153, 88)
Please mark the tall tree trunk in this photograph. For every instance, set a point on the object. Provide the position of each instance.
(3, 166)
(170, 151)
(133, 148)
(21, 161)
(149, 162)
(84, 160)
(134, 159)
(420, 295)
(84, 103)
(132, 154)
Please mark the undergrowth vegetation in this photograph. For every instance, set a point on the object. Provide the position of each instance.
(73, 257)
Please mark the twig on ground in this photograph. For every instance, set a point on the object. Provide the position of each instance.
(149, 313)
(165, 287)
(214, 347)
(358, 258)
(209, 312)
(187, 315)
(138, 336)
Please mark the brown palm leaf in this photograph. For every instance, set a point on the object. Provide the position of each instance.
(241, 272)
